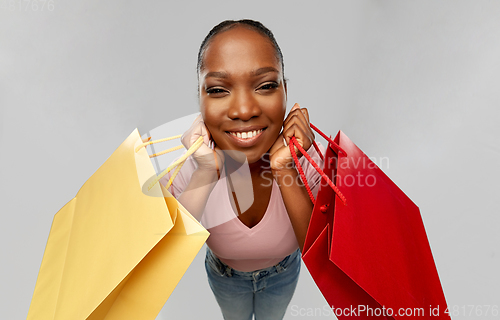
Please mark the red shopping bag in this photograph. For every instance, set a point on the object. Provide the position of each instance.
(366, 246)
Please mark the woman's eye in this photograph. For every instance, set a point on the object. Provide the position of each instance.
(269, 86)
(214, 91)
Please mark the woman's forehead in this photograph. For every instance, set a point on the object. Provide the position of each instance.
(239, 50)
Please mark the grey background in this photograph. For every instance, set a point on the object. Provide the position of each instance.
(414, 81)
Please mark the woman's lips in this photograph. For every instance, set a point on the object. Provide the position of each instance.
(241, 138)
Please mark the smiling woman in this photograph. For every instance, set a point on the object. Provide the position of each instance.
(241, 90)
(253, 259)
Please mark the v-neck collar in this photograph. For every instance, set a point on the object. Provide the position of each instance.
(238, 222)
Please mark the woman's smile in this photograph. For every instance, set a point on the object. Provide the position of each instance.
(245, 138)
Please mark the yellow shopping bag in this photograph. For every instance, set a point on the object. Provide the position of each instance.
(116, 251)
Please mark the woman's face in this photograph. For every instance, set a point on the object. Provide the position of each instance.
(242, 92)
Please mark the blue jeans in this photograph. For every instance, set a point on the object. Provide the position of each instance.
(265, 292)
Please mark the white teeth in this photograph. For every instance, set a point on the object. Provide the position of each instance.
(246, 135)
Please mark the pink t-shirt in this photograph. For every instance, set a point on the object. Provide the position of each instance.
(240, 247)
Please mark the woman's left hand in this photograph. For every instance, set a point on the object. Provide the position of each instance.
(295, 125)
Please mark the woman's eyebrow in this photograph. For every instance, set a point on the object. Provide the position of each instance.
(263, 70)
(254, 73)
(217, 74)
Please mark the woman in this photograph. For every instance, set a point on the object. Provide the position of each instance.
(253, 259)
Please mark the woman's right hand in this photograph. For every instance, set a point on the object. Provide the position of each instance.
(204, 156)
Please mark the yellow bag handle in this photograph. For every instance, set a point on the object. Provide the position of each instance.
(178, 164)
(148, 142)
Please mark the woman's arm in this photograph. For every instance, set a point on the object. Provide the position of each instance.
(297, 201)
(195, 195)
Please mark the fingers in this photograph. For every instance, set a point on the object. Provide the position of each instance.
(197, 119)
(294, 128)
(297, 124)
(197, 129)
(300, 135)
(299, 112)
(204, 132)
(305, 113)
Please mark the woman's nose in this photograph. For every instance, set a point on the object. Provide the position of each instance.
(243, 106)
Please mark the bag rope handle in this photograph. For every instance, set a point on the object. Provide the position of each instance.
(149, 142)
(177, 164)
(327, 139)
(294, 142)
(299, 168)
(318, 151)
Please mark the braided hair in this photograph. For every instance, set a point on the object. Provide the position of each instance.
(247, 23)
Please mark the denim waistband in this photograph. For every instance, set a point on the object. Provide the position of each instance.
(225, 270)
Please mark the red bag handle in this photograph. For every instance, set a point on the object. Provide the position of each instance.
(294, 142)
(327, 139)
